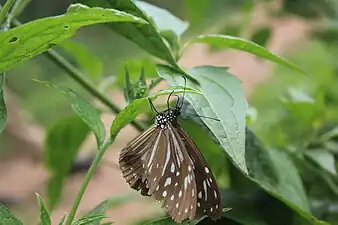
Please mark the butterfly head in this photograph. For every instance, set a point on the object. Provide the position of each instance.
(167, 116)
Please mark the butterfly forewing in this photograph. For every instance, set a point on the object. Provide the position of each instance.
(131, 162)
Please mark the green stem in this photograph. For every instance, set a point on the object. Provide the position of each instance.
(86, 180)
(4, 11)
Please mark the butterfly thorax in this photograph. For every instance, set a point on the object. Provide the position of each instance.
(165, 117)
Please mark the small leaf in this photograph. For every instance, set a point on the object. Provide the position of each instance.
(97, 212)
(323, 158)
(244, 45)
(223, 99)
(44, 214)
(33, 38)
(6, 217)
(141, 105)
(84, 110)
(134, 67)
(87, 61)
(89, 220)
(62, 219)
(144, 35)
(3, 110)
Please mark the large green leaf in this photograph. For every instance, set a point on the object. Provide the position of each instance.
(86, 60)
(35, 37)
(62, 143)
(146, 36)
(244, 45)
(141, 105)
(44, 214)
(3, 111)
(223, 99)
(6, 217)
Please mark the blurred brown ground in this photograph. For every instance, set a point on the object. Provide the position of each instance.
(24, 175)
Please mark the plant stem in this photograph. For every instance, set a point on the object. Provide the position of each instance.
(5, 10)
(86, 180)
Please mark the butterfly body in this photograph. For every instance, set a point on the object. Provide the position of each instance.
(164, 162)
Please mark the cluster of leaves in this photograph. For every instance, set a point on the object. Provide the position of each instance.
(254, 180)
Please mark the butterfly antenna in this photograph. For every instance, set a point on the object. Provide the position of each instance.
(185, 85)
(152, 106)
(169, 99)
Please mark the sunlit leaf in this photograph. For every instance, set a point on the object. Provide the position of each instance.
(28, 40)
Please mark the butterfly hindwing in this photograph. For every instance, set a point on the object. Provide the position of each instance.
(208, 196)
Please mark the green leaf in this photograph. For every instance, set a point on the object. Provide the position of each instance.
(54, 188)
(244, 45)
(62, 143)
(6, 217)
(87, 61)
(62, 219)
(33, 38)
(134, 67)
(89, 220)
(84, 110)
(141, 105)
(169, 221)
(323, 158)
(145, 36)
(289, 188)
(223, 99)
(44, 214)
(163, 19)
(260, 165)
(97, 212)
(3, 110)
(244, 209)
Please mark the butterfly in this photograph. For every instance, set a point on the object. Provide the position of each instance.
(165, 163)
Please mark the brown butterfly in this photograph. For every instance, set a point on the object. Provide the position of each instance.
(165, 163)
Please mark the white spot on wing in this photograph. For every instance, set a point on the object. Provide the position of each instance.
(180, 194)
(207, 170)
(167, 182)
(164, 194)
(200, 194)
(172, 169)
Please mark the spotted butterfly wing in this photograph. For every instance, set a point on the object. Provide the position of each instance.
(164, 162)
